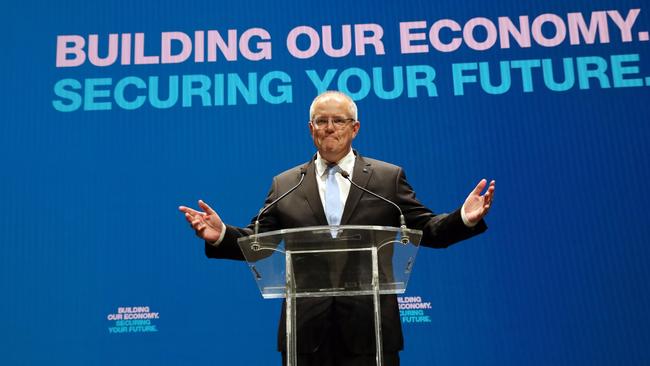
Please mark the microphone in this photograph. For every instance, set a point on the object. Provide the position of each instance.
(402, 221)
(255, 245)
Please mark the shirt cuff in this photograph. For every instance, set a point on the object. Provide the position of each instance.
(223, 233)
(465, 221)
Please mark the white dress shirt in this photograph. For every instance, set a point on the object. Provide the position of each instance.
(347, 164)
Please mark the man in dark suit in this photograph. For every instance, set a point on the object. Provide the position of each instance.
(340, 331)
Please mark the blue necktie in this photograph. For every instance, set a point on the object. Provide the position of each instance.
(333, 206)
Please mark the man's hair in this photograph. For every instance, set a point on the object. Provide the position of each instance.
(352, 104)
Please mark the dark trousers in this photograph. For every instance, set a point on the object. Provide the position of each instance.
(332, 353)
(333, 359)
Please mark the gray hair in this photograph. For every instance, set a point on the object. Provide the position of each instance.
(353, 105)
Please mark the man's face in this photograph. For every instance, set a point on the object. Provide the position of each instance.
(333, 142)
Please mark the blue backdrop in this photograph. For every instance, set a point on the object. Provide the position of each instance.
(90, 227)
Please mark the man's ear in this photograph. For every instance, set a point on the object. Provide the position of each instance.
(356, 127)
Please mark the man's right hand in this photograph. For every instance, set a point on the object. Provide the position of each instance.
(206, 224)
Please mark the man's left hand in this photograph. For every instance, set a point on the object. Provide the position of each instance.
(476, 205)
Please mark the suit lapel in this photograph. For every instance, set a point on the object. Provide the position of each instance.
(310, 192)
(361, 175)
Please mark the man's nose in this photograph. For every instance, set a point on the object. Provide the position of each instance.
(330, 125)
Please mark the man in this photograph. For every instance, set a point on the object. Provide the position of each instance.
(340, 331)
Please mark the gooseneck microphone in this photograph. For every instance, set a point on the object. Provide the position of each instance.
(405, 239)
(255, 244)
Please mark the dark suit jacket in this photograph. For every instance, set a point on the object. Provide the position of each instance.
(350, 318)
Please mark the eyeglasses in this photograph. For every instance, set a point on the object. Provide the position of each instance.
(338, 122)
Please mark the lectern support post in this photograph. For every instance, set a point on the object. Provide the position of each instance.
(377, 307)
(290, 315)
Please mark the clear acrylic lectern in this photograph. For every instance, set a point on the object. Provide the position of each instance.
(331, 261)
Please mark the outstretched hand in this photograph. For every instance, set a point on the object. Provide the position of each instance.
(476, 205)
(206, 224)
